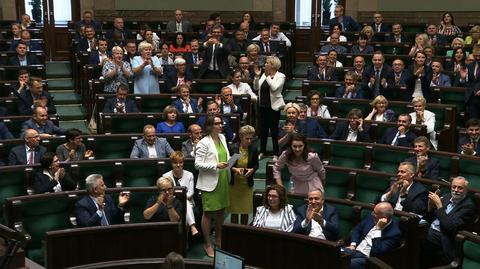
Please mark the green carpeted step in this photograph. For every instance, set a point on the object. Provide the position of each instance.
(78, 124)
(59, 70)
(71, 112)
(60, 84)
(261, 171)
(300, 69)
(65, 97)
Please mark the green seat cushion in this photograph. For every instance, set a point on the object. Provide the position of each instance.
(471, 255)
(347, 155)
(370, 187)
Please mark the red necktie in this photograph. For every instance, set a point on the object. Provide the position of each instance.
(31, 159)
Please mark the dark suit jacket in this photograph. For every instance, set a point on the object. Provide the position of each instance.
(83, 44)
(441, 40)
(472, 83)
(330, 215)
(111, 103)
(383, 27)
(43, 183)
(390, 239)
(237, 111)
(416, 200)
(86, 212)
(189, 57)
(127, 34)
(127, 58)
(193, 104)
(25, 103)
(341, 132)
(31, 60)
(406, 141)
(390, 92)
(4, 132)
(171, 78)
(314, 74)
(252, 160)
(465, 139)
(96, 25)
(234, 45)
(48, 128)
(359, 92)
(461, 215)
(187, 148)
(432, 168)
(186, 27)
(221, 56)
(349, 24)
(93, 58)
(370, 72)
(18, 155)
(311, 128)
(425, 83)
(391, 38)
(273, 46)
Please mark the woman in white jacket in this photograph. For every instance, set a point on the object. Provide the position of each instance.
(270, 101)
(211, 156)
(424, 117)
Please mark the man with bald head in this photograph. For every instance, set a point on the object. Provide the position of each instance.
(179, 25)
(28, 153)
(405, 194)
(374, 236)
(447, 216)
(334, 45)
(150, 146)
(40, 122)
(35, 96)
(188, 146)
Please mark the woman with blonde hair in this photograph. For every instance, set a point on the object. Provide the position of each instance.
(425, 117)
(146, 68)
(116, 71)
(421, 41)
(164, 206)
(379, 110)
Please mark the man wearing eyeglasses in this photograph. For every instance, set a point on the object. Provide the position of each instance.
(375, 235)
(401, 135)
(30, 152)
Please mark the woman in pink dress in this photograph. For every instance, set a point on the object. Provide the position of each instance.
(306, 168)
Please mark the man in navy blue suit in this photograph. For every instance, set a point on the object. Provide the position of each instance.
(470, 77)
(426, 166)
(374, 80)
(28, 99)
(99, 56)
(317, 219)
(119, 26)
(26, 37)
(374, 236)
(28, 153)
(23, 57)
(4, 132)
(405, 194)
(469, 144)
(213, 108)
(120, 103)
(87, 20)
(227, 104)
(447, 215)
(348, 24)
(378, 25)
(97, 208)
(397, 78)
(401, 135)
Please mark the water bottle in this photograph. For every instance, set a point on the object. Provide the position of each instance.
(291, 187)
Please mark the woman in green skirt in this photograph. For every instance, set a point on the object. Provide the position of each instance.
(211, 156)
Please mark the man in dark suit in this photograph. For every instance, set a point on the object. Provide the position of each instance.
(397, 78)
(28, 153)
(88, 21)
(23, 57)
(265, 44)
(213, 108)
(195, 56)
(131, 49)
(353, 130)
(321, 71)
(426, 167)
(470, 77)
(405, 194)
(317, 219)
(184, 103)
(396, 35)
(215, 63)
(469, 144)
(99, 56)
(435, 38)
(97, 208)
(239, 42)
(378, 25)
(40, 122)
(119, 26)
(350, 89)
(26, 37)
(120, 103)
(374, 80)
(188, 146)
(89, 42)
(374, 236)
(348, 24)
(23, 80)
(35, 96)
(401, 135)
(179, 24)
(227, 103)
(447, 215)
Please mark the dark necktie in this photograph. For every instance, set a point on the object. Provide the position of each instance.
(31, 157)
(214, 58)
(477, 73)
(377, 82)
(267, 49)
(195, 58)
(322, 74)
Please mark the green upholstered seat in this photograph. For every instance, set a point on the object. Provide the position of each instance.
(345, 219)
(324, 89)
(111, 147)
(471, 255)
(125, 125)
(337, 184)
(347, 155)
(200, 86)
(387, 159)
(108, 170)
(154, 103)
(470, 169)
(13, 184)
(370, 187)
(140, 175)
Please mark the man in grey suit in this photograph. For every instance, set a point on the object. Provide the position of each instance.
(150, 146)
(179, 25)
(28, 153)
(188, 146)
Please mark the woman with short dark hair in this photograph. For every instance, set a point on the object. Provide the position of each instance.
(73, 149)
(52, 178)
(275, 213)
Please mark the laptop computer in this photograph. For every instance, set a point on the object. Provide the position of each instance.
(225, 260)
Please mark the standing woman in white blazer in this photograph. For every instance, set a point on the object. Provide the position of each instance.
(424, 117)
(211, 156)
(270, 101)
